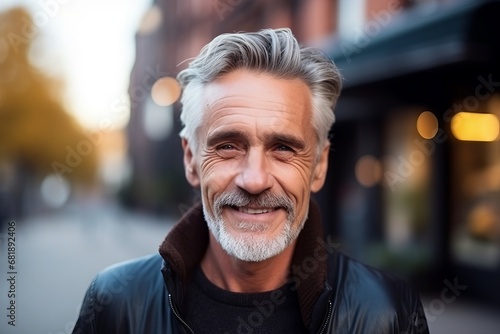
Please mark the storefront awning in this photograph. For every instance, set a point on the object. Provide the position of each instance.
(423, 38)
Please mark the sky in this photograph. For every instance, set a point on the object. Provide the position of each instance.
(90, 45)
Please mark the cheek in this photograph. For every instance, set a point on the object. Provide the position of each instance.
(216, 177)
(295, 178)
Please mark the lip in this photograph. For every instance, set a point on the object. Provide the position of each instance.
(255, 211)
(255, 214)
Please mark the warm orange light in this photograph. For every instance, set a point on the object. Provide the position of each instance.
(368, 171)
(427, 125)
(151, 20)
(165, 91)
(469, 126)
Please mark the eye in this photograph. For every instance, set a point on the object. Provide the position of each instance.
(283, 148)
(228, 150)
(226, 147)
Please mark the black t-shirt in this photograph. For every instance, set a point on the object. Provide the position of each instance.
(210, 309)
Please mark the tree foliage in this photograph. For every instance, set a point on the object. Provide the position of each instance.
(35, 129)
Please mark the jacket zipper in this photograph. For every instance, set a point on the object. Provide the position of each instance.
(327, 318)
(177, 315)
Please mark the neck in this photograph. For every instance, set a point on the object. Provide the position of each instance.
(232, 274)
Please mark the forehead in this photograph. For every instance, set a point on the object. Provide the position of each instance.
(257, 97)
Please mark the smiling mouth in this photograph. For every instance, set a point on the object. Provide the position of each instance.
(253, 211)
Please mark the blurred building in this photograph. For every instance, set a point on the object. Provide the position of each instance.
(414, 179)
(44, 152)
(416, 148)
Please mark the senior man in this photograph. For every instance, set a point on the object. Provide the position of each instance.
(251, 257)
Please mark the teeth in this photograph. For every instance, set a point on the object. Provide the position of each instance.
(255, 211)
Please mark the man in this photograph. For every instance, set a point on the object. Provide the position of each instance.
(251, 258)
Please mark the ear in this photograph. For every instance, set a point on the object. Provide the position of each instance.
(190, 167)
(319, 173)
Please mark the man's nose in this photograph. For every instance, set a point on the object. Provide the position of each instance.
(255, 176)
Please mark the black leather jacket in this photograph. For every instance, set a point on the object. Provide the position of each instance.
(336, 294)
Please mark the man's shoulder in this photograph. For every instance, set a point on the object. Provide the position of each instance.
(130, 275)
(111, 302)
(381, 296)
(147, 262)
(346, 270)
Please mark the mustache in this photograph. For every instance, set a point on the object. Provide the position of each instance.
(240, 197)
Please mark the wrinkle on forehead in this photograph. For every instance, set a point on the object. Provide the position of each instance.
(242, 101)
(244, 85)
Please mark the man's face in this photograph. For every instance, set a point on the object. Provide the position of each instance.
(256, 162)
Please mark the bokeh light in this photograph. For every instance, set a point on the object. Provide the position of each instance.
(165, 91)
(158, 121)
(55, 190)
(480, 127)
(151, 20)
(368, 171)
(427, 125)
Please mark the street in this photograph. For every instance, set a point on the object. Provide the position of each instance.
(58, 254)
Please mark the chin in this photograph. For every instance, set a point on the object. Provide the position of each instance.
(251, 247)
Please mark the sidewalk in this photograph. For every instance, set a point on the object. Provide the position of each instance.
(57, 255)
(462, 317)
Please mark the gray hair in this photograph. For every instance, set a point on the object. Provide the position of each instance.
(276, 52)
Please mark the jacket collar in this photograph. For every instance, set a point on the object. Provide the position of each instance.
(185, 245)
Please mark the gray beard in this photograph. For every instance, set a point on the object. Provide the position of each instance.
(251, 247)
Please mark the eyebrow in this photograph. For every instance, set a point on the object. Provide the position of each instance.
(224, 135)
(285, 139)
(288, 140)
